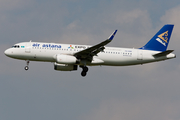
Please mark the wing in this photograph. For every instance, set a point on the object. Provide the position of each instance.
(88, 53)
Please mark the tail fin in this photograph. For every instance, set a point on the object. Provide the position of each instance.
(161, 40)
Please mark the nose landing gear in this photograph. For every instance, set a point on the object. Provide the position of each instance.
(27, 67)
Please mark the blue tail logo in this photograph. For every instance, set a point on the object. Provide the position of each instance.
(160, 41)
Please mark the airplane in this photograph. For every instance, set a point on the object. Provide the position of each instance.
(67, 57)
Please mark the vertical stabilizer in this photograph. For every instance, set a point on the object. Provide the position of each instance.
(160, 40)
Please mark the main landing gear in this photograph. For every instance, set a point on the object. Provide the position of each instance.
(84, 71)
(27, 67)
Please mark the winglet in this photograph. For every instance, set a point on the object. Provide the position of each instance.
(112, 35)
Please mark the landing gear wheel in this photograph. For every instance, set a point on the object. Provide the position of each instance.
(83, 73)
(26, 67)
(85, 69)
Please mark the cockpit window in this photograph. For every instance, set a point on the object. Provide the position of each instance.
(15, 46)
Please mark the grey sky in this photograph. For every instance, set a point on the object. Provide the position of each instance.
(149, 91)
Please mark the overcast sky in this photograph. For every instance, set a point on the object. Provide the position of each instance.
(142, 92)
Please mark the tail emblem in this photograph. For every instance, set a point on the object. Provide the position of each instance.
(163, 37)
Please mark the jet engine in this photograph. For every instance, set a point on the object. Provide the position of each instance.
(64, 67)
(65, 59)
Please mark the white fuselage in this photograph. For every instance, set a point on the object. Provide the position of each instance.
(112, 56)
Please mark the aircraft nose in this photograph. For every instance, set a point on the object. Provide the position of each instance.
(7, 52)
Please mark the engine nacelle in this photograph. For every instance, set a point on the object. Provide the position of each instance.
(64, 67)
(65, 59)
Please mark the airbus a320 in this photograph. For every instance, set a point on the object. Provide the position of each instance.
(67, 57)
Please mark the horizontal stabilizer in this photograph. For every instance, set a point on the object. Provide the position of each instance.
(163, 53)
